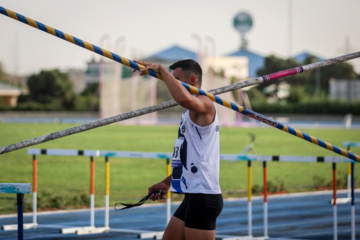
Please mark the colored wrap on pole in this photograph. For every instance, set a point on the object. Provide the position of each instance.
(191, 89)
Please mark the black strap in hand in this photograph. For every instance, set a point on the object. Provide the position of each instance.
(141, 202)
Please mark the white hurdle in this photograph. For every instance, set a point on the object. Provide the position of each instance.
(153, 155)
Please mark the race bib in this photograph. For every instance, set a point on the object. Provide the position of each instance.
(176, 160)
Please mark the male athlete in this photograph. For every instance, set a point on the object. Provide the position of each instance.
(195, 159)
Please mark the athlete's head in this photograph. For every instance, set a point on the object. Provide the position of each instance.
(188, 71)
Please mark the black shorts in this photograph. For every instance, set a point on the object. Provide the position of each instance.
(200, 211)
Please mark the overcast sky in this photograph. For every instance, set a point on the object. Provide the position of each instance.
(143, 27)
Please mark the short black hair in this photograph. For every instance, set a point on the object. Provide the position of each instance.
(189, 66)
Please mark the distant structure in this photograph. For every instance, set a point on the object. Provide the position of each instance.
(121, 91)
(9, 94)
(243, 23)
(256, 61)
(170, 55)
(218, 71)
(345, 89)
(77, 77)
(301, 57)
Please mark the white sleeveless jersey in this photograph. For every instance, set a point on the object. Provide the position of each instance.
(196, 158)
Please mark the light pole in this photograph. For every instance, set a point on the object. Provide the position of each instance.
(213, 62)
(199, 52)
(101, 74)
(120, 49)
(289, 28)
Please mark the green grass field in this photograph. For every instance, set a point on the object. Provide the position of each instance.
(63, 182)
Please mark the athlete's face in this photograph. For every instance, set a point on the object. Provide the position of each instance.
(180, 75)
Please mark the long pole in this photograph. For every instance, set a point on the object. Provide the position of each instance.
(194, 90)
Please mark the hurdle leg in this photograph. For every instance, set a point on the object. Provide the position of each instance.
(349, 176)
(34, 206)
(168, 195)
(20, 216)
(265, 201)
(92, 192)
(334, 201)
(107, 190)
(352, 204)
(249, 199)
(349, 180)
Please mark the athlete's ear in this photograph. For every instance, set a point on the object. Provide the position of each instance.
(193, 80)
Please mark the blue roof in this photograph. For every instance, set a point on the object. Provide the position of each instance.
(172, 54)
(256, 61)
(300, 58)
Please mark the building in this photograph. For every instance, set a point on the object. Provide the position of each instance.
(255, 60)
(345, 89)
(170, 55)
(9, 95)
(77, 77)
(301, 57)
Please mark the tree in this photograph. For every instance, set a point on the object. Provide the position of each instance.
(275, 64)
(306, 80)
(2, 73)
(52, 88)
(342, 70)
